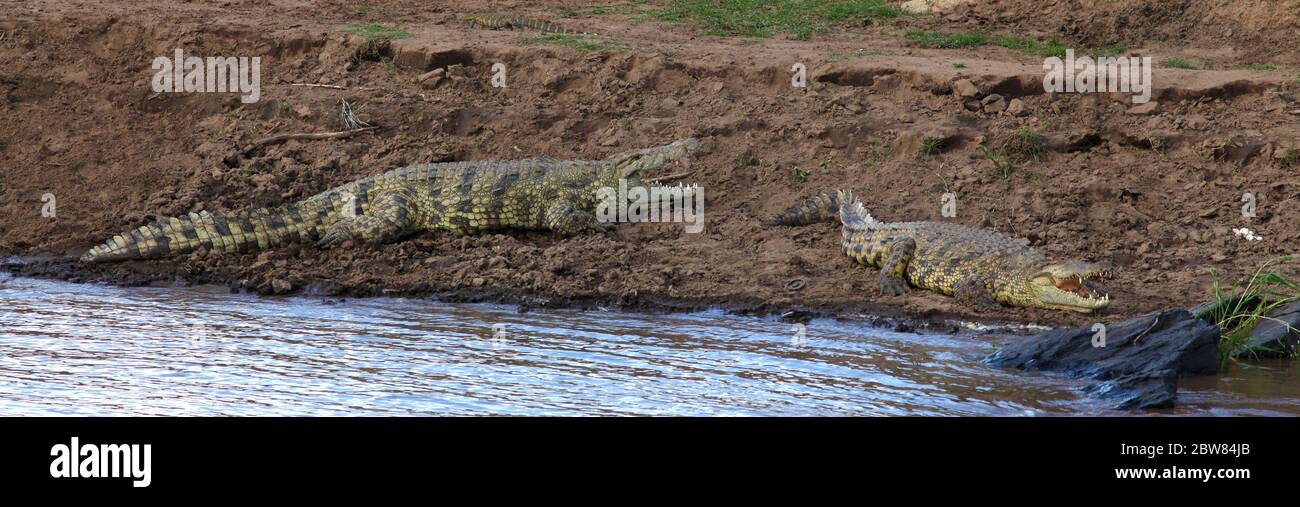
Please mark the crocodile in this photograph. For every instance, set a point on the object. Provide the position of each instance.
(978, 267)
(519, 23)
(460, 197)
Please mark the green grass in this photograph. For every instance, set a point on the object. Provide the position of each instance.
(1053, 47)
(1238, 309)
(931, 146)
(929, 39)
(1291, 157)
(1175, 62)
(876, 153)
(376, 31)
(1028, 144)
(630, 8)
(958, 65)
(763, 18)
(745, 159)
(1261, 67)
(1109, 50)
(577, 42)
(999, 160)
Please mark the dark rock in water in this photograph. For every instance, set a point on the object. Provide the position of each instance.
(1139, 363)
(1272, 336)
(797, 317)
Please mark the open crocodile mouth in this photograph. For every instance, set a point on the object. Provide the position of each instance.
(1081, 287)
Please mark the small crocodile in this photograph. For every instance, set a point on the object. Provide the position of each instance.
(461, 197)
(977, 266)
(519, 23)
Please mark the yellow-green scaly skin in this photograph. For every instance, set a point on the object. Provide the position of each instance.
(460, 197)
(977, 266)
(518, 23)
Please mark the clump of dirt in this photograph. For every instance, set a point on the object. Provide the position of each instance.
(1155, 190)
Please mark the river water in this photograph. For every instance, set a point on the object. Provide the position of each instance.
(84, 349)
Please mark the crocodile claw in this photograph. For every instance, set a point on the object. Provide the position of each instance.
(334, 238)
(891, 286)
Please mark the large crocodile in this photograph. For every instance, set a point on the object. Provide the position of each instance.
(977, 266)
(461, 197)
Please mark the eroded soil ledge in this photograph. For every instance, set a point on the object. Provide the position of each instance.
(1157, 193)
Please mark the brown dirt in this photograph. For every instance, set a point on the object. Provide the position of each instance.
(1155, 194)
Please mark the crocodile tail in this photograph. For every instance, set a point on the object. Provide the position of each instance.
(533, 24)
(819, 208)
(852, 213)
(518, 22)
(488, 22)
(243, 231)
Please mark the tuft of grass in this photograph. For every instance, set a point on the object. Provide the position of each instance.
(1291, 157)
(762, 18)
(931, 146)
(372, 50)
(1053, 47)
(745, 159)
(877, 153)
(1261, 67)
(1109, 50)
(958, 65)
(1175, 62)
(999, 160)
(577, 42)
(1238, 309)
(929, 39)
(377, 31)
(1028, 144)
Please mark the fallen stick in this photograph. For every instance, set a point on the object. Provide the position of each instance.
(330, 86)
(276, 139)
(314, 85)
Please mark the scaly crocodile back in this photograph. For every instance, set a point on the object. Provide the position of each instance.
(518, 22)
(460, 197)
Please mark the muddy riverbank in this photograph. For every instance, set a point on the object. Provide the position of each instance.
(1156, 193)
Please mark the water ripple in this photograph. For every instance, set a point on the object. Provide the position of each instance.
(91, 350)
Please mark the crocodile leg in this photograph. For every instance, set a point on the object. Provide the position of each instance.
(567, 220)
(389, 216)
(892, 274)
(973, 292)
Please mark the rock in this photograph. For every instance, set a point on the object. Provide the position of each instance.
(965, 88)
(972, 105)
(1017, 108)
(1139, 364)
(1143, 109)
(1272, 337)
(280, 286)
(432, 78)
(994, 103)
